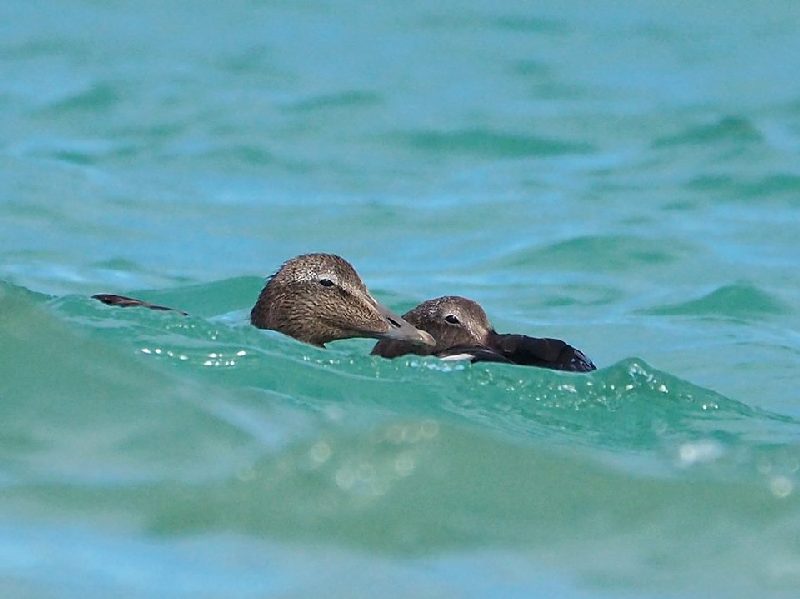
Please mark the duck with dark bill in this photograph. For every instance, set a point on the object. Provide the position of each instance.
(462, 331)
(316, 298)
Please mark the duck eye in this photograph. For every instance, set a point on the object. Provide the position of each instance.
(326, 282)
(451, 319)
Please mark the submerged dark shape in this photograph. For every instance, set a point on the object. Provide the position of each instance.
(317, 298)
(124, 301)
(462, 330)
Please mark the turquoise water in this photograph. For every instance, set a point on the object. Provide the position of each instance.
(625, 177)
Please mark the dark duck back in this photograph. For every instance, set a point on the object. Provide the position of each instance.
(461, 329)
(316, 298)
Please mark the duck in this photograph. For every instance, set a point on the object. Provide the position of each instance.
(462, 330)
(316, 298)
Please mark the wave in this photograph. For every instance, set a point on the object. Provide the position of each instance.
(611, 252)
(738, 300)
(629, 406)
(729, 129)
(207, 426)
(488, 143)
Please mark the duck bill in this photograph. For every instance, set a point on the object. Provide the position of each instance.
(401, 330)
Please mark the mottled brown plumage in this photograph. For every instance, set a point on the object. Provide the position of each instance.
(451, 320)
(316, 298)
(461, 328)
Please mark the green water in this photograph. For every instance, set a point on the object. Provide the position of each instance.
(624, 177)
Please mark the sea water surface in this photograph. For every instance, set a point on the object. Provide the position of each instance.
(622, 176)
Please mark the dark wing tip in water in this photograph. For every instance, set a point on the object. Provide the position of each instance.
(128, 302)
(543, 352)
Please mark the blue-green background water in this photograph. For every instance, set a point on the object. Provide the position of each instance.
(623, 176)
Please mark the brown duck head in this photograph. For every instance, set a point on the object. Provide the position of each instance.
(317, 298)
(452, 321)
(462, 330)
